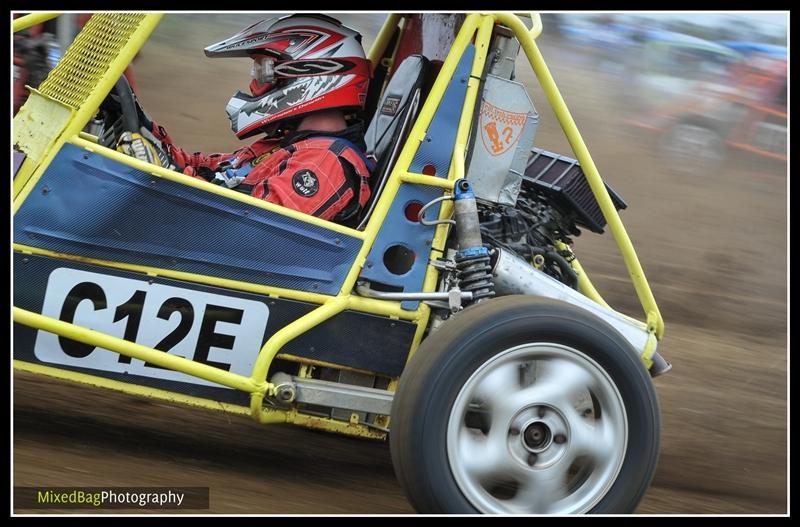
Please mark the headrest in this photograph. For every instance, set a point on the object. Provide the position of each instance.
(393, 104)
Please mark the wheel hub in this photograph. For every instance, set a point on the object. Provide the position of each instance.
(537, 436)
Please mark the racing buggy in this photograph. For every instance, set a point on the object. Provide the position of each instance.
(454, 320)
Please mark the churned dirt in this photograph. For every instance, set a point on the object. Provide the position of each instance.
(712, 245)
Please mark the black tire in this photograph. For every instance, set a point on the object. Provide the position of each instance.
(448, 358)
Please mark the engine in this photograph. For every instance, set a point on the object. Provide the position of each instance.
(530, 230)
(554, 201)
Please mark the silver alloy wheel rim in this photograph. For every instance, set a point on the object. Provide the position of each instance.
(497, 433)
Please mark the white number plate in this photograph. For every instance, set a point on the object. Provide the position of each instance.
(222, 331)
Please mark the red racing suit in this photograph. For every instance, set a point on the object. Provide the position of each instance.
(319, 173)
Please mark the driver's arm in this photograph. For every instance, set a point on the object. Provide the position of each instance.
(154, 145)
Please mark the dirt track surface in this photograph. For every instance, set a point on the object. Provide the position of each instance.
(712, 246)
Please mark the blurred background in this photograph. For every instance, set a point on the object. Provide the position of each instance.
(685, 116)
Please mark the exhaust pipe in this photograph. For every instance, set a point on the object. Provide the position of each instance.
(514, 276)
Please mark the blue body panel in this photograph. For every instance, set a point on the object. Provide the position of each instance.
(436, 150)
(93, 206)
(358, 340)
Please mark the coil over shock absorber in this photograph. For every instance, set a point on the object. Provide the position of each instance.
(474, 269)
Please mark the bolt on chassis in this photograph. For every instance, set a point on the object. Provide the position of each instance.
(454, 320)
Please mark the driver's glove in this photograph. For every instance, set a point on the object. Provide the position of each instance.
(143, 149)
(197, 165)
(231, 177)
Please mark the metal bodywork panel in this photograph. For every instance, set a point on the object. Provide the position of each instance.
(96, 207)
(351, 339)
(343, 396)
(503, 138)
(503, 53)
(29, 135)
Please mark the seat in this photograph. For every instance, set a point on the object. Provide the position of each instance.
(387, 131)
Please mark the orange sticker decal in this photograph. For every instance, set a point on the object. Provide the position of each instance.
(500, 129)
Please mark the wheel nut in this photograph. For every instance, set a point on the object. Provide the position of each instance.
(532, 459)
(560, 438)
(513, 431)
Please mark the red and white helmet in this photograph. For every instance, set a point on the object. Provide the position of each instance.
(302, 64)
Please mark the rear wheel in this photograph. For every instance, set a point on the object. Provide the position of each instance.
(525, 406)
(693, 150)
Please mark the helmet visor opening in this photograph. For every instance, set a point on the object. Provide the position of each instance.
(263, 75)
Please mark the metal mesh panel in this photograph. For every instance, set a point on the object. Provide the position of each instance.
(89, 57)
